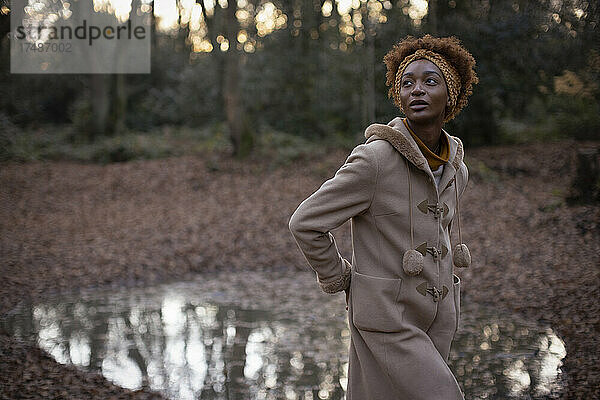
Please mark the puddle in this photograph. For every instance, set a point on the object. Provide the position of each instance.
(266, 335)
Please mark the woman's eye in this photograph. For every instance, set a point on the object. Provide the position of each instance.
(431, 80)
(406, 83)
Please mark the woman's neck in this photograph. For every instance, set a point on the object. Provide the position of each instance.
(428, 133)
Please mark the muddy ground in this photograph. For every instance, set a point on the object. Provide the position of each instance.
(66, 226)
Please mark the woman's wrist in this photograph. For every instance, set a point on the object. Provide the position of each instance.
(342, 282)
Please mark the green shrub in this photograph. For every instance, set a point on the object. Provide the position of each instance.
(577, 117)
(65, 142)
(280, 148)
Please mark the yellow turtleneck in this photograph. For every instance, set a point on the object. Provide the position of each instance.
(433, 159)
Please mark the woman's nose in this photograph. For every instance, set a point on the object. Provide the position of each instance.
(417, 90)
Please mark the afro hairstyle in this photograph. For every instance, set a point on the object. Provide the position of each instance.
(448, 47)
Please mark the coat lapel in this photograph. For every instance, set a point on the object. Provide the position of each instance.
(450, 167)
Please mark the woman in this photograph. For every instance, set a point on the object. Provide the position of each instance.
(400, 189)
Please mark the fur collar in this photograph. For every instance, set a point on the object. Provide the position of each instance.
(398, 136)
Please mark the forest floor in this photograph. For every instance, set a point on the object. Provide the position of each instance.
(66, 225)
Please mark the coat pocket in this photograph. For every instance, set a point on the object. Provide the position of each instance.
(456, 284)
(375, 304)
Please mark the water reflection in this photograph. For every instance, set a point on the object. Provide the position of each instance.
(506, 357)
(268, 335)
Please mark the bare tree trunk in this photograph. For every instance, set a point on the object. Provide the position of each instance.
(585, 187)
(100, 103)
(368, 111)
(371, 74)
(183, 35)
(432, 20)
(213, 30)
(233, 106)
(120, 104)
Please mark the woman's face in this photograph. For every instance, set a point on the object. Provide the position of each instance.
(423, 92)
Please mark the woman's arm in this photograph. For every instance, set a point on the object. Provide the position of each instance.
(347, 194)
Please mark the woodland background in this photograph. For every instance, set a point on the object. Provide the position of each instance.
(300, 76)
(249, 107)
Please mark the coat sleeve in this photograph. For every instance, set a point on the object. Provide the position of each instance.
(347, 194)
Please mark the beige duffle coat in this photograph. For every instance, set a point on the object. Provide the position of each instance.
(401, 326)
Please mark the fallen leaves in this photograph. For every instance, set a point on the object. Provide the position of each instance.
(67, 226)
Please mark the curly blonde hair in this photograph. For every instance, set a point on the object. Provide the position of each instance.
(451, 50)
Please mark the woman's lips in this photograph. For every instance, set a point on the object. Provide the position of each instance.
(418, 107)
